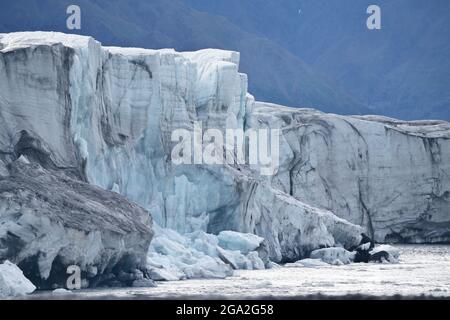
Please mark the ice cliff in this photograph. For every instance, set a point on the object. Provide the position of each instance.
(389, 176)
(106, 115)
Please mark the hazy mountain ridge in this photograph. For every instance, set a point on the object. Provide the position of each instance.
(402, 70)
(276, 74)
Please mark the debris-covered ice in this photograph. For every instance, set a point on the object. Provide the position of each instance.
(333, 255)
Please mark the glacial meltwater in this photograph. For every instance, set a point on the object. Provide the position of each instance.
(423, 270)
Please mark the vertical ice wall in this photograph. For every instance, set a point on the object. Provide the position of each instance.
(391, 177)
(127, 102)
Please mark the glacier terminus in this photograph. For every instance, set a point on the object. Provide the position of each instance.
(87, 176)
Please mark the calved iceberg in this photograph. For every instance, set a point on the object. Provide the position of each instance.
(173, 256)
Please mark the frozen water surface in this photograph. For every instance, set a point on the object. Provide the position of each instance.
(422, 270)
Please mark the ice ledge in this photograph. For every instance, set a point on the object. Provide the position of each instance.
(418, 128)
(20, 40)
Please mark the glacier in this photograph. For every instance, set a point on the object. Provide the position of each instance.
(106, 115)
(387, 175)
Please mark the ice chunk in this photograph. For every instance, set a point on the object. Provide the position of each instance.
(365, 246)
(243, 242)
(307, 263)
(12, 281)
(23, 159)
(62, 291)
(273, 265)
(160, 274)
(392, 256)
(175, 257)
(204, 242)
(257, 263)
(235, 259)
(335, 256)
(312, 263)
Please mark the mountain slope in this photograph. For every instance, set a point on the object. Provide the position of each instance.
(402, 70)
(275, 74)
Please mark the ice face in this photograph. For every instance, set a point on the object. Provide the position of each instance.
(109, 113)
(393, 254)
(389, 176)
(291, 228)
(241, 242)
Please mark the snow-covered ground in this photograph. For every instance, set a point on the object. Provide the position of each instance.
(422, 270)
